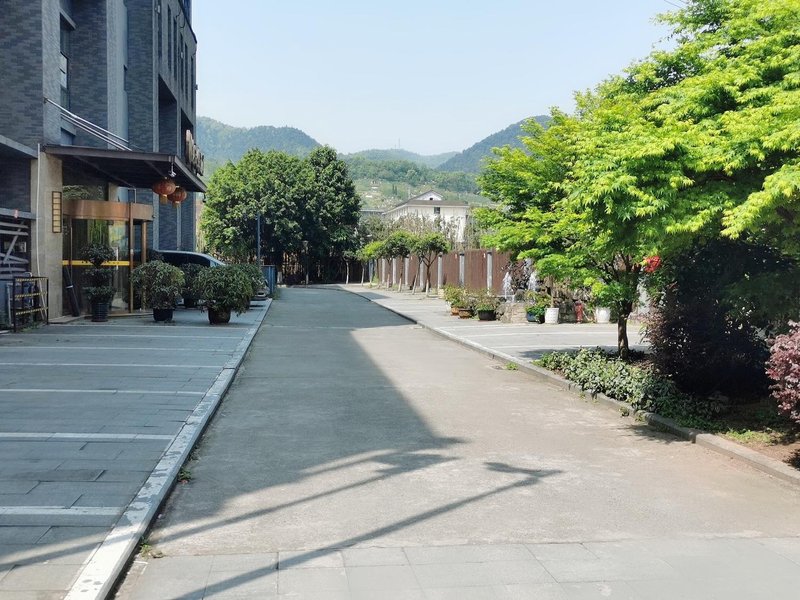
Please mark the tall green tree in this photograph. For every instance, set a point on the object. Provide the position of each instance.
(272, 186)
(295, 200)
(334, 207)
(695, 142)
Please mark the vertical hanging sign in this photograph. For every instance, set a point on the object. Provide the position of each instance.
(57, 214)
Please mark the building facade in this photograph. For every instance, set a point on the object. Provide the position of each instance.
(452, 215)
(98, 104)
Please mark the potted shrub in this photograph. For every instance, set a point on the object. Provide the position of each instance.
(536, 307)
(453, 295)
(160, 286)
(603, 296)
(99, 290)
(551, 315)
(486, 306)
(224, 290)
(466, 305)
(190, 292)
(256, 279)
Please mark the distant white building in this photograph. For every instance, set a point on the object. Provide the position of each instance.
(431, 206)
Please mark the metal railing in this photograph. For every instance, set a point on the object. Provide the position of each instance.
(29, 301)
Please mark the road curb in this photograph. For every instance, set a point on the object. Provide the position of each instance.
(707, 440)
(100, 574)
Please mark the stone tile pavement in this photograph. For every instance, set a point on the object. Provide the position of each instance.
(96, 420)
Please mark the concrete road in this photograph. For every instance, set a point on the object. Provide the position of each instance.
(359, 456)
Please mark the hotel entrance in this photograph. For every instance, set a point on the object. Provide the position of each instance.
(98, 222)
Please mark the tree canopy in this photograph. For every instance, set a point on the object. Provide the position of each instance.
(699, 141)
(311, 199)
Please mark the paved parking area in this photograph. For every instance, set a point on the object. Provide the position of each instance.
(96, 419)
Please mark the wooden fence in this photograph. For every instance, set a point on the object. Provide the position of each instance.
(471, 269)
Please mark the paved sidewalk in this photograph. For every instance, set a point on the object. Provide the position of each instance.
(518, 341)
(360, 457)
(96, 420)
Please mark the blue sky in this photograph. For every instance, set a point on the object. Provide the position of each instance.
(428, 76)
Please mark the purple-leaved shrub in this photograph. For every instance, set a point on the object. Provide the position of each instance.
(783, 368)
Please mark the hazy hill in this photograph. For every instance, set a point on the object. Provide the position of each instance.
(432, 161)
(471, 159)
(221, 142)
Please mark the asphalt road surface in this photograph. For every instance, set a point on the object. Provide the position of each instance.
(360, 456)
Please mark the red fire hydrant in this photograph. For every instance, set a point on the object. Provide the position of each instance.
(579, 311)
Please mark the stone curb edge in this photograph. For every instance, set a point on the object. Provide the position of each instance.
(710, 441)
(100, 574)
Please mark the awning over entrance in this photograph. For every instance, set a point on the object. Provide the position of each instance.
(129, 169)
(11, 149)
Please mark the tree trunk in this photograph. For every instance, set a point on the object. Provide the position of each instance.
(400, 278)
(427, 279)
(347, 276)
(623, 349)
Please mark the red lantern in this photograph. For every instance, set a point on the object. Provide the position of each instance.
(164, 188)
(178, 196)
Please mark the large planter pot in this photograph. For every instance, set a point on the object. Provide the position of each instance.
(454, 311)
(99, 312)
(602, 314)
(487, 315)
(465, 313)
(161, 315)
(218, 316)
(534, 318)
(551, 316)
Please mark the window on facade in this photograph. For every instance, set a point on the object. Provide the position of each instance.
(169, 36)
(182, 67)
(66, 34)
(160, 33)
(194, 85)
(437, 210)
(175, 48)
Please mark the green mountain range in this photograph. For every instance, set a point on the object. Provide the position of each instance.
(471, 159)
(432, 161)
(383, 177)
(221, 142)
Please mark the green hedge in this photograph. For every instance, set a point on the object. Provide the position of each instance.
(600, 372)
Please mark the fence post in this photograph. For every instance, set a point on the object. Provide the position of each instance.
(489, 269)
(439, 272)
(461, 269)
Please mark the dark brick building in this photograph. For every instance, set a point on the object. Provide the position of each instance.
(97, 103)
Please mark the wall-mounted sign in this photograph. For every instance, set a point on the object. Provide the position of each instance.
(194, 158)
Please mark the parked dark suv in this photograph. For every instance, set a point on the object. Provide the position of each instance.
(181, 257)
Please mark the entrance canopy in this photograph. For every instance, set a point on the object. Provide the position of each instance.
(129, 169)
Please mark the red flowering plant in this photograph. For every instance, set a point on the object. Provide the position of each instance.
(783, 368)
(651, 264)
